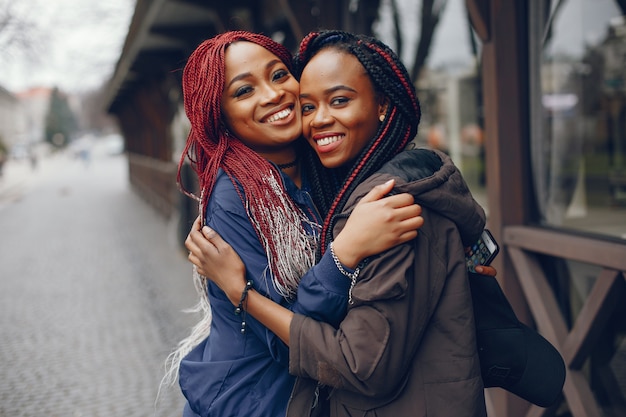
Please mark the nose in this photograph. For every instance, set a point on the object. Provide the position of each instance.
(320, 117)
(272, 93)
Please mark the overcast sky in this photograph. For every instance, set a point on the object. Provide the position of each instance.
(80, 41)
(451, 39)
(77, 43)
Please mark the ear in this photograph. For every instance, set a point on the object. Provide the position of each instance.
(383, 105)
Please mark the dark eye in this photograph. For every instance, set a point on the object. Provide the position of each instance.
(243, 90)
(338, 101)
(307, 108)
(280, 74)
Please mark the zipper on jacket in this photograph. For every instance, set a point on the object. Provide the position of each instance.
(314, 401)
(316, 398)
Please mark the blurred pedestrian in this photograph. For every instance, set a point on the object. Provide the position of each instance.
(32, 158)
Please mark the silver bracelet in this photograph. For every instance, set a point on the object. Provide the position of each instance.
(353, 276)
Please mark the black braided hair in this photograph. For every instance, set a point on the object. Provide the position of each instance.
(332, 187)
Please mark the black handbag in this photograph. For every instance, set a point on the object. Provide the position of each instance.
(512, 355)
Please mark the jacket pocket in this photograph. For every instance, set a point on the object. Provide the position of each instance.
(354, 404)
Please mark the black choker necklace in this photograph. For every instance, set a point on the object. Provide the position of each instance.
(288, 164)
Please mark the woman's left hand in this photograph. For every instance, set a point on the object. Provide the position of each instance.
(486, 270)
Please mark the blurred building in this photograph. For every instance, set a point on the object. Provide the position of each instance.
(11, 119)
(35, 103)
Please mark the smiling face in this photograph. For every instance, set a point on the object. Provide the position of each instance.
(340, 109)
(260, 101)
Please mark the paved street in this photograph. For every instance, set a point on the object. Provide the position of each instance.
(92, 288)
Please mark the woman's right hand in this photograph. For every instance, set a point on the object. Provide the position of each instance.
(216, 260)
(376, 224)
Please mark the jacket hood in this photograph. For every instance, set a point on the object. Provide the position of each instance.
(436, 183)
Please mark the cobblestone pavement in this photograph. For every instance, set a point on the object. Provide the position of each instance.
(92, 288)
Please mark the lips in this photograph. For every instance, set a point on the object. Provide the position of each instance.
(327, 143)
(328, 140)
(279, 116)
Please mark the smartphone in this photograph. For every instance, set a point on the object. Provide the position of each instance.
(482, 252)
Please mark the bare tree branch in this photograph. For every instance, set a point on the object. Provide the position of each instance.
(18, 33)
(432, 10)
(397, 30)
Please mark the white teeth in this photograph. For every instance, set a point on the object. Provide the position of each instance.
(328, 140)
(278, 116)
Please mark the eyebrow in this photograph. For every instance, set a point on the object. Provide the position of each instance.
(332, 90)
(248, 74)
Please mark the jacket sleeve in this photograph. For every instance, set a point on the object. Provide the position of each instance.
(367, 353)
(322, 293)
(372, 350)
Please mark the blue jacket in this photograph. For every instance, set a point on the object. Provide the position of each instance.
(235, 374)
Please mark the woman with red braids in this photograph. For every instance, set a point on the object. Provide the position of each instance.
(242, 102)
(407, 346)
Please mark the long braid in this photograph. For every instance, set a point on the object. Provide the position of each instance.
(390, 79)
(281, 226)
(210, 147)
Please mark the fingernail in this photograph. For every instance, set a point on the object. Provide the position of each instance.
(389, 181)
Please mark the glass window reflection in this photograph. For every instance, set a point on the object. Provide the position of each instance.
(579, 149)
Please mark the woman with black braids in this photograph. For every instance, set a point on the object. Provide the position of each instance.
(407, 345)
(242, 102)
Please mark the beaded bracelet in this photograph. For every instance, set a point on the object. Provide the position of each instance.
(239, 309)
(352, 275)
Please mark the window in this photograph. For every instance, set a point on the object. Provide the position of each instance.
(578, 160)
(578, 67)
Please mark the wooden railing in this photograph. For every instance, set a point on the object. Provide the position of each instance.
(524, 245)
(155, 181)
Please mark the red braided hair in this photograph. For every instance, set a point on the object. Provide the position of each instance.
(210, 146)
